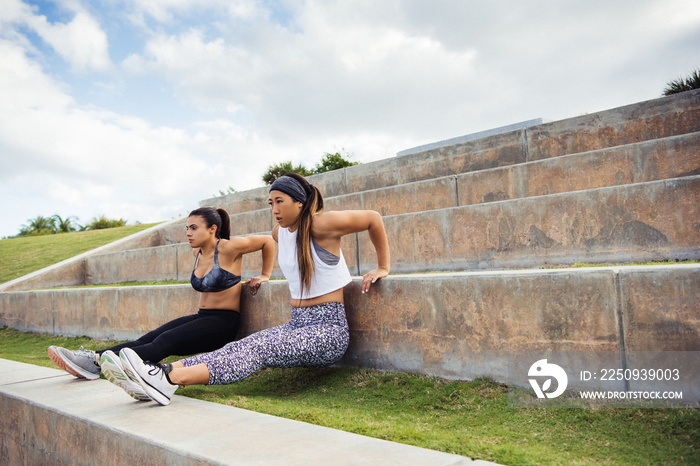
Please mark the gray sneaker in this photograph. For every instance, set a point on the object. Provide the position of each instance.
(81, 363)
(114, 372)
(151, 377)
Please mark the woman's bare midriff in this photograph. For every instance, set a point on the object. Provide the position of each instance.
(227, 299)
(332, 297)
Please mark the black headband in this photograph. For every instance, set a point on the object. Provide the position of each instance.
(290, 186)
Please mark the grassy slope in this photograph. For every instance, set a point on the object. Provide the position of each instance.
(20, 256)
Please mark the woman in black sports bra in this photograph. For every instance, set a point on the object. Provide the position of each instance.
(219, 258)
(216, 275)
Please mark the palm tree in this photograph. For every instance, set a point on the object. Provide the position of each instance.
(39, 226)
(65, 225)
(683, 84)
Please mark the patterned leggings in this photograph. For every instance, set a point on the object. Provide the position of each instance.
(315, 336)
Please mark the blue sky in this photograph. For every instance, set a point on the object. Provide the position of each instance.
(139, 110)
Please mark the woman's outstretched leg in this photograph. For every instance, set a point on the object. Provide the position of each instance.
(315, 337)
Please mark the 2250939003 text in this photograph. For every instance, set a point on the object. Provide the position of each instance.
(632, 374)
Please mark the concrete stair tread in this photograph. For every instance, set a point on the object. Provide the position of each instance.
(128, 312)
(535, 231)
(438, 273)
(109, 424)
(485, 204)
(644, 121)
(658, 159)
(638, 222)
(336, 202)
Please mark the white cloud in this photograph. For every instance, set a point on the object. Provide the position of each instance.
(84, 156)
(332, 79)
(13, 11)
(80, 41)
(166, 11)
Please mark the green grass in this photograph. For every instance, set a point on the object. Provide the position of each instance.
(20, 256)
(132, 283)
(578, 265)
(470, 418)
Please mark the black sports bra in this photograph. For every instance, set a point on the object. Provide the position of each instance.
(217, 279)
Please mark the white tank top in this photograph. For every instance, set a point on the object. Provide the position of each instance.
(327, 277)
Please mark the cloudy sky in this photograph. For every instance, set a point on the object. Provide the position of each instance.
(140, 109)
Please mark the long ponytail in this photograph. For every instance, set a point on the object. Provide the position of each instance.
(225, 229)
(312, 206)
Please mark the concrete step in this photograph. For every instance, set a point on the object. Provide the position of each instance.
(660, 159)
(171, 262)
(644, 121)
(628, 223)
(49, 417)
(454, 325)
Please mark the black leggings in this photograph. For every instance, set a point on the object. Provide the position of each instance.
(208, 330)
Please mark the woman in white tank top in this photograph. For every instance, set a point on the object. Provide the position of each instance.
(313, 264)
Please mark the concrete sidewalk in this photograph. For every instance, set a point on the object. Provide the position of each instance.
(50, 417)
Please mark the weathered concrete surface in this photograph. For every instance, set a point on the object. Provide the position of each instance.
(49, 417)
(643, 222)
(495, 151)
(439, 193)
(662, 310)
(659, 159)
(465, 326)
(472, 136)
(643, 121)
(103, 313)
(457, 325)
(252, 221)
(242, 201)
(174, 232)
(160, 263)
(659, 118)
(176, 261)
